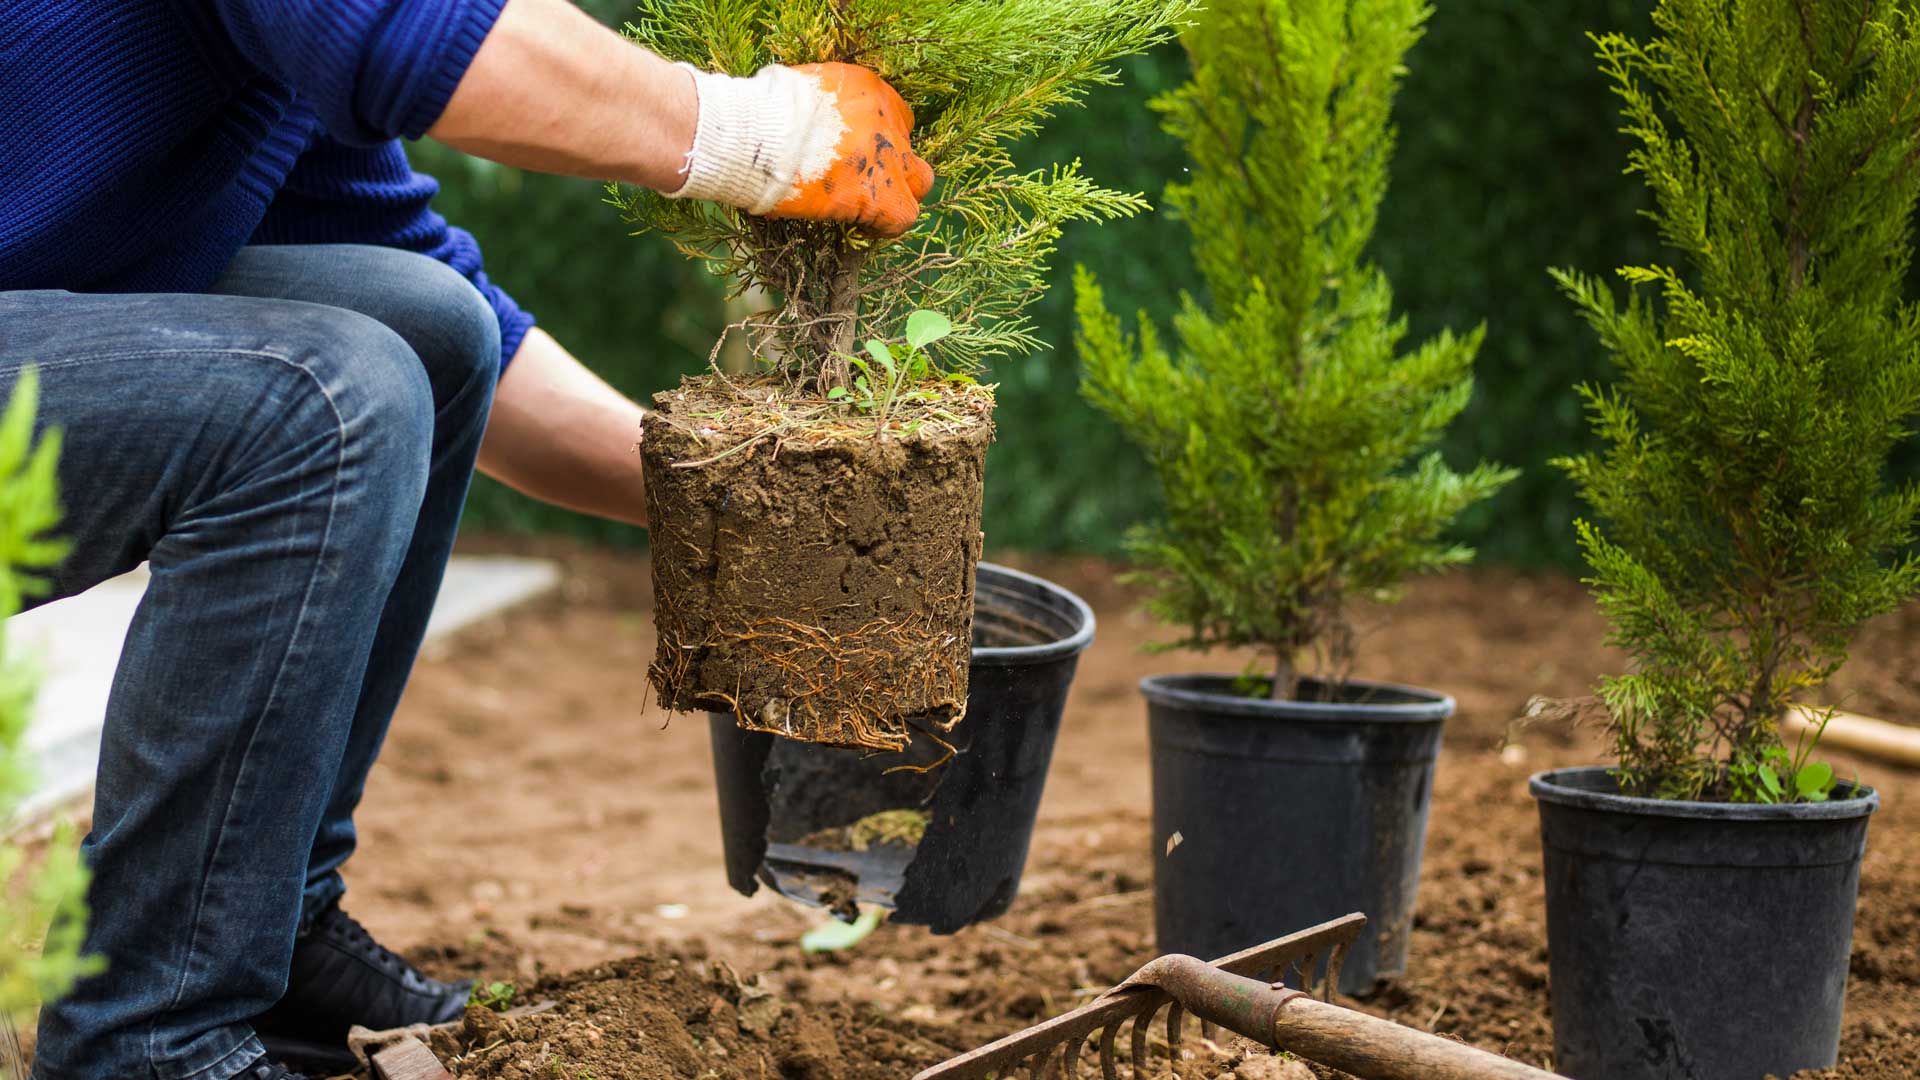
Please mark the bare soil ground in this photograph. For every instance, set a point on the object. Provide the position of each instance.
(534, 815)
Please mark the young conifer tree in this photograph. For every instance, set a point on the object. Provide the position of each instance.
(979, 75)
(1291, 434)
(43, 917)
(1749, 525)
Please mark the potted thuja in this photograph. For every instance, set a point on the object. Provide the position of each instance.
(1292, 436)
(1700, 892)
(816, 523)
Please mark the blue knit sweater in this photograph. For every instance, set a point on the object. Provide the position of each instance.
(144, 142)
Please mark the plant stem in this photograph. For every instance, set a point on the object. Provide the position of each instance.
(1286, 679)
(843, 311)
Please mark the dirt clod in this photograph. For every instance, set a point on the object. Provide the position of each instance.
(1271, 1067)
(662, 1016)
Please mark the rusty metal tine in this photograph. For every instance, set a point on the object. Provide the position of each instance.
(1248, 961)
(1070, 1057)
(1175, 1012)
(1108, 1070)
(1037, 1066)
(1206, 1029)
(1139, 1046)
(1046, 1037)
(1335, 957)
(1307, 965)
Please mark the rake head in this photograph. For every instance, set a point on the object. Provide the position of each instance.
(1246, 993)
(1053, 1049)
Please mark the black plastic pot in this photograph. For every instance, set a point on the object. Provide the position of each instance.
(1028, 635)
(1704, 941)
(1273, 816)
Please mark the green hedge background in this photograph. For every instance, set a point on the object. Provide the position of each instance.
(1509, 162)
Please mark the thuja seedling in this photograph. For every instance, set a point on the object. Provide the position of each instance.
(497, 996)
(885, 378)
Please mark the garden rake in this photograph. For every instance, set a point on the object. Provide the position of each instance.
(1243, 993)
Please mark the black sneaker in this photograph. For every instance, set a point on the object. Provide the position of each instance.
(342, 977)
(267, 1070)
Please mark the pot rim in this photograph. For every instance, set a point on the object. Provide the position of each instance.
(1554, 786)
(1013, 655)
(1167, 690)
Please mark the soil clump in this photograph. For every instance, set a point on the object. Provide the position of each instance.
(661, 1016)
(815, 576)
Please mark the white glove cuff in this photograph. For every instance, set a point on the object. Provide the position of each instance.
(759, 138)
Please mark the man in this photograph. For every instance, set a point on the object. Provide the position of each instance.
(276, 369)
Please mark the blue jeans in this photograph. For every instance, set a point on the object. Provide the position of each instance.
(290, 454)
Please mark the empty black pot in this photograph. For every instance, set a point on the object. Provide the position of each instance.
(1272, 816)
(1028, 635)
(1704, 941)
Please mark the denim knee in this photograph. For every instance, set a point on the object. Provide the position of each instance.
(449, 325)
(469, 324)
(440, 313)
(378, 403)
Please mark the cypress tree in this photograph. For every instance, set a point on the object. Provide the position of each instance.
(1291, 433)
(1763, 381)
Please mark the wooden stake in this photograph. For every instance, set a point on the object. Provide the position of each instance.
(1894, 743)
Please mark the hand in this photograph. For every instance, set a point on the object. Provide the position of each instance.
(825, 142)
(874, 180)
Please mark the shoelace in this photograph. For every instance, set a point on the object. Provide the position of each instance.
(357, 937)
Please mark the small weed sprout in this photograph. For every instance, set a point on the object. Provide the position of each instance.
(887, 378)
(497, 996)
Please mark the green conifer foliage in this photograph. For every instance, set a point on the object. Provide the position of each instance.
(979, 75)
(1749, 529)
(43, 917)
(1291, 434)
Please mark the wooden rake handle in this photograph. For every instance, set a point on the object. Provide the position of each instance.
(1289, 1020)
(1897, 744)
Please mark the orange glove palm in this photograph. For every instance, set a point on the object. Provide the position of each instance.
(875, 180)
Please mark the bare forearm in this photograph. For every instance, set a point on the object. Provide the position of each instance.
(554, 91)
(560, 434)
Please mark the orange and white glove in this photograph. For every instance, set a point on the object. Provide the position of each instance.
(826, 142)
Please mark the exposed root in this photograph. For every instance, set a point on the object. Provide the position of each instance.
(843, 689)
(947, 751)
